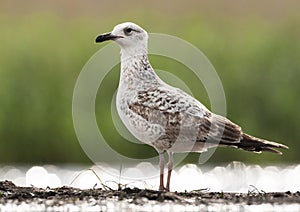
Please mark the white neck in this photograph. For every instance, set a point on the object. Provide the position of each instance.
(129, 52)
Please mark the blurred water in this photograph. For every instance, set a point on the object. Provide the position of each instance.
(114, 205)
(234, 177)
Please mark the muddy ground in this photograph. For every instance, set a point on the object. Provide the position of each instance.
(9, 192)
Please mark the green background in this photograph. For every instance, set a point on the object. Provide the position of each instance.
(254, 46)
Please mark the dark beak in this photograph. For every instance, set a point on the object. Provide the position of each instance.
(105, 37)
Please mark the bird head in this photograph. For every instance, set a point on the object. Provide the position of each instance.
(131, 38)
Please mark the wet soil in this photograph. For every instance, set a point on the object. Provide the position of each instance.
(9, 192)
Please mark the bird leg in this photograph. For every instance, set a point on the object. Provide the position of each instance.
(162, 167)
(170, 167)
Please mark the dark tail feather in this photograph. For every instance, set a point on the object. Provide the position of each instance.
(253, 144)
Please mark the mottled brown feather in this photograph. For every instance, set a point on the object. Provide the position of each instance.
(217, 129)
(155, 106)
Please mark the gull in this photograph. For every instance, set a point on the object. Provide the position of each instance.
(165, 117)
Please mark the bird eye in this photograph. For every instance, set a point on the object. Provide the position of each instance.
(127, 31)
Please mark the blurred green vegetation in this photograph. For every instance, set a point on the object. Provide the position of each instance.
(43, 52)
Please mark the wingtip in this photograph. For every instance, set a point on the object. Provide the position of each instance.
(285, 147)
(265, 145)
(272, 150)
(276, 145)
(282, 146)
